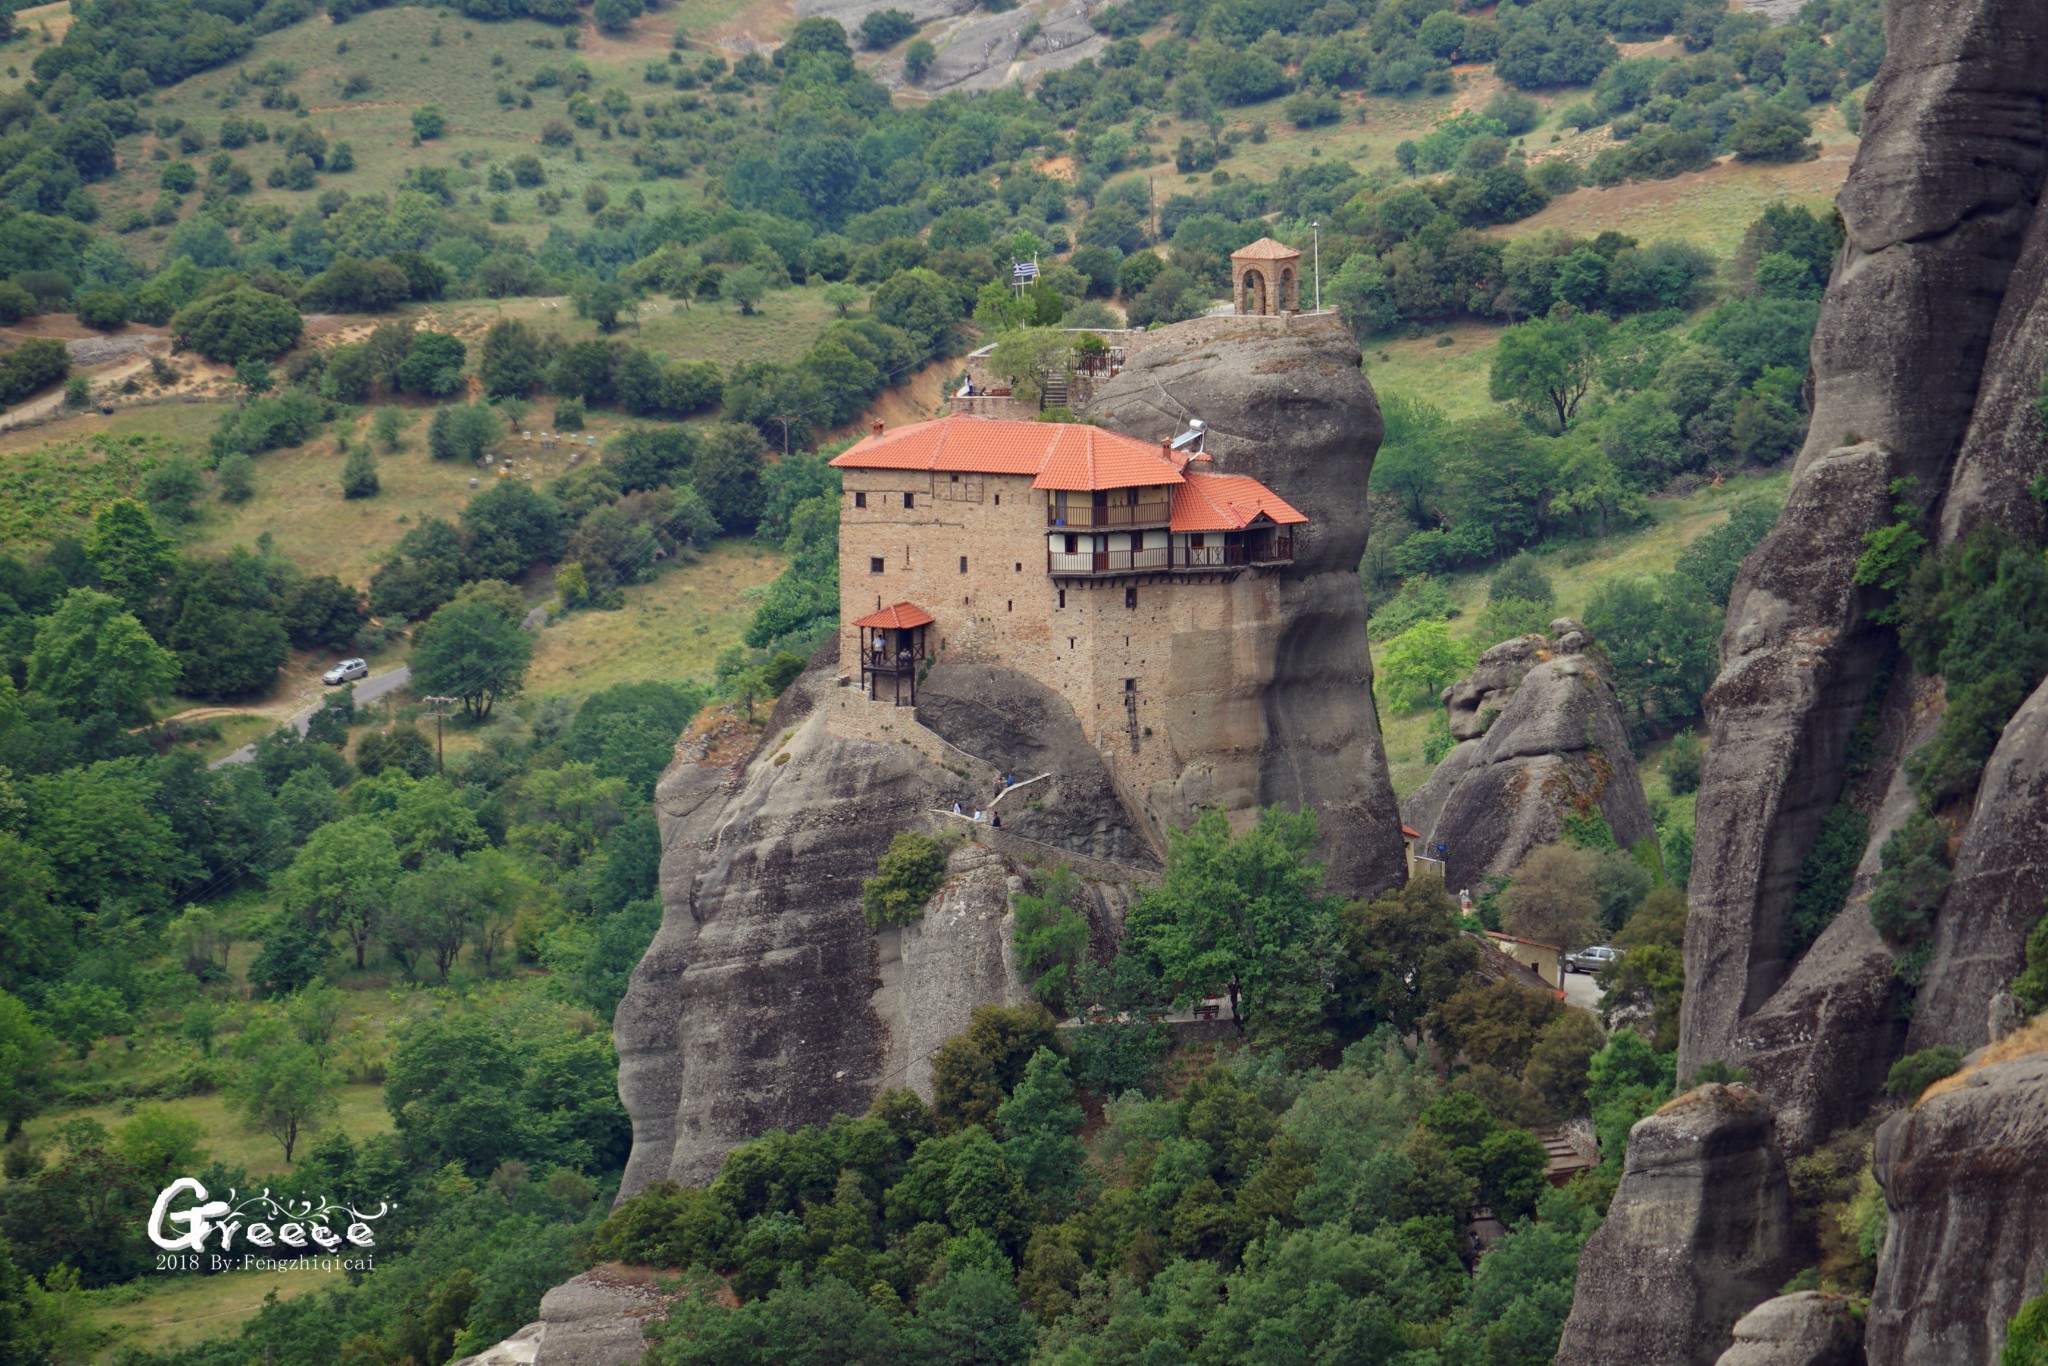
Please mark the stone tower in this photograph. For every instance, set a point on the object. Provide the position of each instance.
(1265, 278)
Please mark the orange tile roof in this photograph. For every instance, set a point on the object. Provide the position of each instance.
(1059, 455)
(902, 617)
(1265, 249)
(1228, 502)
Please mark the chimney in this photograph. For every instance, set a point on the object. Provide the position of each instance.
(1166, 447)
(875, 427)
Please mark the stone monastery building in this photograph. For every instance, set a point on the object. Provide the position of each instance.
(1069, 553)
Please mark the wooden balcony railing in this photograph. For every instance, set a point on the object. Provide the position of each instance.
(1279, 550)
(1130, 514)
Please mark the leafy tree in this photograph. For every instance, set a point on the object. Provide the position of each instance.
(1041, 1121)
(1050, 937)
(1245, 914)
(745, 287)
(432, 366)
(359, 474)
(473, 651)
(342, 879)
(428, 122)
(453, 1090)
(90, 656)
(1403, 955)
(1419, 663)
(1663, 643)
(235, 478)
(160, 1144)
(1547, 367)
(727, 476)
(132, 559)
(26, 1052)
(280, 1083)
(1770, 132)
(841, 294)
(918, 59)
(238, 324)
(907, 876)
(1550, 896)
(1494, 1025)
(512, 361)
(884, 28)
(464, 432)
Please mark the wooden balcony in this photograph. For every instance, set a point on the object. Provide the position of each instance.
(1272, 551)
(1084, 516)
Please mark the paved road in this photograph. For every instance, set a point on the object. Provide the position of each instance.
(368, 690)
(1582, 989)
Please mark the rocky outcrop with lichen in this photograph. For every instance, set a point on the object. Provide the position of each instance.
(1925, 367)
(1699, 1232)
(1967, 1238)
(1803, 1329)
(1540, 739)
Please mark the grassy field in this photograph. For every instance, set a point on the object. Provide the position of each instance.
(671, 628)
(411, 57)
(1653, 549)
(1452, 377)
(785, 324)
(178, 1311)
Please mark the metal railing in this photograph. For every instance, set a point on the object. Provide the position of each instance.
(1058, 562)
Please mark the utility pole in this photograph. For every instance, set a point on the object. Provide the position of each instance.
(440, 715)
(1317, 229)
(785, 419)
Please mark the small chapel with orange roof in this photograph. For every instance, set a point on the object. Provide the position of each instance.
(1070, 553)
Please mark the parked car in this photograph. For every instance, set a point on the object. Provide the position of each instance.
(348, 671)
(1593, 959)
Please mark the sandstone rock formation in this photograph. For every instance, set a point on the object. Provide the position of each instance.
(766, 1002)
(1540, 735)
(1968, 1238)
(1925, 364)
(596, 1319)
(1277, 712)
(1700, 1232)
(1025, 729)
(1806, 1329)
(1918, 365)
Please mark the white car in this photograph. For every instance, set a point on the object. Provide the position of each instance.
(348, 671)
(1593, 959)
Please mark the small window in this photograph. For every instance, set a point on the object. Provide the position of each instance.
(1130, 685)
(963, 564)
(1010, 605)
(1020, 566)
(1063, 597)
(910, 500)
(874, 564)
(860, 500)
(999, 500)
(956, 478)
(1131, 598)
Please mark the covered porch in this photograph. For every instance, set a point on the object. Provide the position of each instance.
(893, 652)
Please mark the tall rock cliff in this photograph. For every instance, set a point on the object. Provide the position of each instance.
(766, 1002)
(1277, 711)
(1540, 737)
(1925, 366)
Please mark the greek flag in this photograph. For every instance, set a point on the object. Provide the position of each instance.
(1024, 272)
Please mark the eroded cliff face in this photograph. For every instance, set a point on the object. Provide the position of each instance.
(1699, 1232)
(1277, 709)
(1540, 736)
(1925, 366)
(765, 1001)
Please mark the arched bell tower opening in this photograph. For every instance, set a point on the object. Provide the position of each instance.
(1267, 278)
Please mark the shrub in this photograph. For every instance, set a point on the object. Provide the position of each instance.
(243, 323)
(359, 474)
(1916, 1072)
(102, 308)
(1682, 763)
(1912, 879)
(1826, 875)
(32, 366)
(463, 432)
(908, 874)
